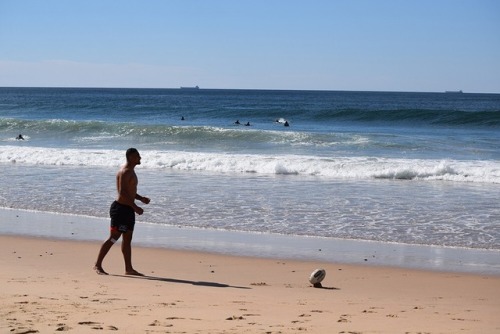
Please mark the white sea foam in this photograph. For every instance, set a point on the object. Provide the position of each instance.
(334, 167)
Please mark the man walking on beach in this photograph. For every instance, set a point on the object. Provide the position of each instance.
(122, 213)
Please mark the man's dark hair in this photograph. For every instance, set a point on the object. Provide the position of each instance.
(131, 151)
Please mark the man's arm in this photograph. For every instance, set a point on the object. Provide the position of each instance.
(143, 199)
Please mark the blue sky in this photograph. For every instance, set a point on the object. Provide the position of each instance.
(379, 45)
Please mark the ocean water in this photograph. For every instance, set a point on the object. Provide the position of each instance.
(406, 168)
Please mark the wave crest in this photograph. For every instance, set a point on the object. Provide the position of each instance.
(339, 167)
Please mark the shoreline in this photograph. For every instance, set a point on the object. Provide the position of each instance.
(49, 285)
(69, 227)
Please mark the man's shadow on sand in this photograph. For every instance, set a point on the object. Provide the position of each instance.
(173, 280)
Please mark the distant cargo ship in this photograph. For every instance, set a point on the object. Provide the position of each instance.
(454, 91)
(191, 88)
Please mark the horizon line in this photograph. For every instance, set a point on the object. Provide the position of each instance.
(247, 89)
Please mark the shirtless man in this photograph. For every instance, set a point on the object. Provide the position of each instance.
(122, 213)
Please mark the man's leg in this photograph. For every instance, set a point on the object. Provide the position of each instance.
(127, 254)
(106, 246)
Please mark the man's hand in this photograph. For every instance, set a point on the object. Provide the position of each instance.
(145, 200)
(138, 210)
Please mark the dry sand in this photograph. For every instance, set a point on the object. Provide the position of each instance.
(49, 286)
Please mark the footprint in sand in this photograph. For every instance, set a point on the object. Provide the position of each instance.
(88, 323)
(158, 323)
(260, 284)
(62, 328)
(95, 325)
(343, 318)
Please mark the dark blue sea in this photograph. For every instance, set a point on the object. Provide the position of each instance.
(390, 167)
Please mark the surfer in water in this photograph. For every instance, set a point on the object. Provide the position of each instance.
(282, 121)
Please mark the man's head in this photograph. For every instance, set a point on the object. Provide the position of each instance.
(133, 156)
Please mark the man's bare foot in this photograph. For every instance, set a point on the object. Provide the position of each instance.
(133, 272)
(100, 271)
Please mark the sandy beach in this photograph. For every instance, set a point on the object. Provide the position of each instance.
(49, 286)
